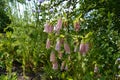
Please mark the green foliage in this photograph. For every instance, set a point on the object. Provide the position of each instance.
(4, 19)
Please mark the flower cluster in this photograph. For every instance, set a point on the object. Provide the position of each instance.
(62, 43)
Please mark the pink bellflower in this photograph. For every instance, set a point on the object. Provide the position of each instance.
(66, 48)
(52, 57)
(48, 43)
(58, 45)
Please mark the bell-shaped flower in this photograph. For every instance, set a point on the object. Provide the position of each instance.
(84, 47)
(48, 28)
(55, 65)
(52, 57)
(48, 43)
(58, 45)
(77, 26)
(66, 48)
(58, 25)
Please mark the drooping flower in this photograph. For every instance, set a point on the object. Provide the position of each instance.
(52, 57)
(48, 28)
(66, 47)
(55, 65)
(84, 47)
(48, 43)
(58, 25)
(58, 45)
(77, 26)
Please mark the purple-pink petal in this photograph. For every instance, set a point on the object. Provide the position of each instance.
(48, 28)
(52, 57)
(58, 25)
(48, 43)
(58, 45)
(55, 65)
(84, 47)
(67, 48)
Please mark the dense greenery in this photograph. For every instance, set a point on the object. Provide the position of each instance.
(4, 19)
(92, 24)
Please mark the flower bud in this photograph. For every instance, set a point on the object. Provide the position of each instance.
(65, 23)
(67, 48)
(77, 26)
(48, 44)
(60, 54)
(66, 67)
(52, 57)
(62, 65)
